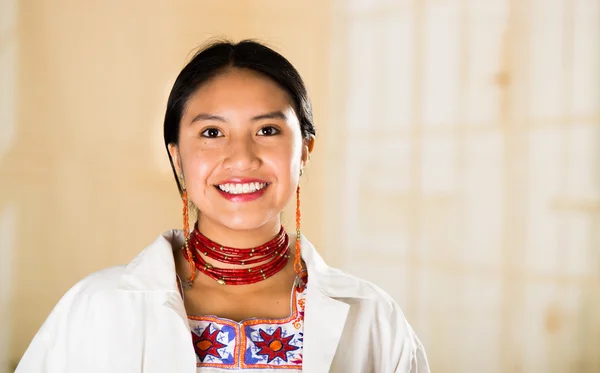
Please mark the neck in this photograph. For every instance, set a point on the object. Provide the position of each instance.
(241, 239)
(236, 237)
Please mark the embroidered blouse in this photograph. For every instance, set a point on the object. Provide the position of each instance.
(252, 345)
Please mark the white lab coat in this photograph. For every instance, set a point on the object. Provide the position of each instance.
(132, 319)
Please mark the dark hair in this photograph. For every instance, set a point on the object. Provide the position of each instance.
(220, 56)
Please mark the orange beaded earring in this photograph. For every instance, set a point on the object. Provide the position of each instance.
(186, 228)
(298, 253)
(186, 211)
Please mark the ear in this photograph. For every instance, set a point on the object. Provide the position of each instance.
(308, 144)
(176, 158)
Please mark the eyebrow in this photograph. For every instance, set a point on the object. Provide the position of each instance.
(203, 116)
(271, 115)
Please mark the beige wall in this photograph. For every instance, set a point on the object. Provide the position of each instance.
(456, 166)
(85, 179)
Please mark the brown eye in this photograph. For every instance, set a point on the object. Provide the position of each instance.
(268, 131)
(211, 133)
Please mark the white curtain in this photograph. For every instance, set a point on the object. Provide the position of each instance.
(472, 174)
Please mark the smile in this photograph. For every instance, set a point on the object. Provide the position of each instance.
(241, 188)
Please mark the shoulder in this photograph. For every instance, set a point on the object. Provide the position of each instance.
(99, 283)
(376, 316)
(373, 316)
(371, 300)
(335, 283)
(103, 280)
(151, 270)
(69, 320)
(84, 296)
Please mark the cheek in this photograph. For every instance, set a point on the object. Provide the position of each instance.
(199, 163)
(286, 160)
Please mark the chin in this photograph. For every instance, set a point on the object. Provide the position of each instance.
(244, 222)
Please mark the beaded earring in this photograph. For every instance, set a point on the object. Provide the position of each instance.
(186, 208)
(298, 254)
(186, 228)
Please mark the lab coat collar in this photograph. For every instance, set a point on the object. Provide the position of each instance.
(153, 269)
(325, 316)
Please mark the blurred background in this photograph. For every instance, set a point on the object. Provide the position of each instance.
(457, 163)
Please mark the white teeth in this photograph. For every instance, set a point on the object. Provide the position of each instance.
(241, 188)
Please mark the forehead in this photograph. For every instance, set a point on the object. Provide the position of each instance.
(238, 92)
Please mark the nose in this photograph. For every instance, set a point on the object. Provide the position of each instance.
(242, 155)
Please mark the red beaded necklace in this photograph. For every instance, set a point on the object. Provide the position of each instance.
(272, 255)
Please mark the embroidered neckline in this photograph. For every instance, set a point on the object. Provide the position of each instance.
(253, 343)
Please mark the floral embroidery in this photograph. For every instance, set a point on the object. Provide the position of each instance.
(253, 343)
(274, 345)
(207, 343)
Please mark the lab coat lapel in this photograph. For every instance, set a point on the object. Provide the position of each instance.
(324, 321)
(153, 271)
(324, 317)
(186, 357)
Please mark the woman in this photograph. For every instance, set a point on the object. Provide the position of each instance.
(235, 293)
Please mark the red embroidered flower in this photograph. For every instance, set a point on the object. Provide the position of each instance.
(274, 345)
(207, 344)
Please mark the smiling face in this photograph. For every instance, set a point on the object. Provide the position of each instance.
(240, 151)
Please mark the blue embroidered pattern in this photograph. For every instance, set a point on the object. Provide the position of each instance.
(253, 343)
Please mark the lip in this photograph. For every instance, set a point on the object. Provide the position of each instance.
(245, 197)
(241, 180)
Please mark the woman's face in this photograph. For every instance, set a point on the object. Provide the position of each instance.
(240, 150)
